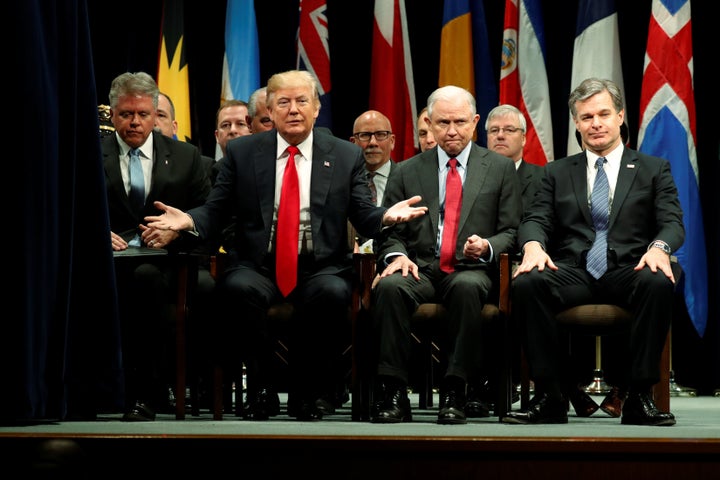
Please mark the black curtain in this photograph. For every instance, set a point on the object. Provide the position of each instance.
(61, 344)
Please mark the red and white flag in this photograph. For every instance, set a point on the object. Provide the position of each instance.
(667, 130)
(523, 78)
(313, 52)
(392, 90)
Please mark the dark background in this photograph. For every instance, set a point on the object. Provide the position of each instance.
(128, 39)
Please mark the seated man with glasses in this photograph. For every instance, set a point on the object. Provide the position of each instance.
(373, 133)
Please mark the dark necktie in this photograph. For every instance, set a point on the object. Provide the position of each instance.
(137, 181)
(600, 212)
(371, 184)
(453, 203)
(288, 227)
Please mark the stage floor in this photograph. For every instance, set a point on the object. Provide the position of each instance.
(598, 447)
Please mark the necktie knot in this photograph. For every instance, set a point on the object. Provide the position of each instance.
(452, 163)
(599, 163)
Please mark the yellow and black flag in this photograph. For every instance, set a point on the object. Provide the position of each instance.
(172, 75)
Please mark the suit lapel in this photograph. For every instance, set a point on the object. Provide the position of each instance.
(626, 176)
(427, 172)
(578, 177)
(265, 163)
(477, 171)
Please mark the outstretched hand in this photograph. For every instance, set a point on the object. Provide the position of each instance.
(171, 219)
(403, 211)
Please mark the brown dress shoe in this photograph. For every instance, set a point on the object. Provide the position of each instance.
(583, 404)
(613, 402)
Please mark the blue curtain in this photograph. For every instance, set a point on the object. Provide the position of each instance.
(60, 346)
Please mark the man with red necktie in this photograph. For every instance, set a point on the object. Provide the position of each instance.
(447, 256)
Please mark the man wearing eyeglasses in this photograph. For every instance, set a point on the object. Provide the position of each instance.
(373, 133)
(506, 127)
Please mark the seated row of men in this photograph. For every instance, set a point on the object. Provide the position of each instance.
(437, 223)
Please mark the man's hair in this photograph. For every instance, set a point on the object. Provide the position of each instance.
(228, 104)
(293, 78)
(138, 83)
(450, 92)
(506, 109)
(592, 86)
(252, 101)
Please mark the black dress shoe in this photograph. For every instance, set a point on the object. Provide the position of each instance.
(583, 404)
(307, 411)
(452, 408)
(325, 406)
(140, 412)
(542, 409)
(478, 403)
(393, 408)
(613, 402)
(263, 405)
(640, 409)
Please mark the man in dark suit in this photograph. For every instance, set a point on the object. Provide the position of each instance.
(559, 270)
(332, 189)
(170, 171)
(506, 128)
(410, 256)
(372, 131)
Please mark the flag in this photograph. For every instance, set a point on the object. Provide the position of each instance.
(172, 77)
(313, 52)
(596, 52)
(241, 63)
(667, 130)
(523, 78)
(465, 54)
(392, 90)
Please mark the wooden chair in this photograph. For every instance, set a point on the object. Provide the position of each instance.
(425, 317)
(601, 320)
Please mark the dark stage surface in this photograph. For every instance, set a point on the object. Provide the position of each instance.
(595, 447)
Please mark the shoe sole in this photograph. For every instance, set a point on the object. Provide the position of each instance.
(405, 419)
(661, 423)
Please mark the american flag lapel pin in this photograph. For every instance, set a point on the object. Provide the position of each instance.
(326, 163)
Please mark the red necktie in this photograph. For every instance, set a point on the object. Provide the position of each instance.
(288, 227)
(453, 202)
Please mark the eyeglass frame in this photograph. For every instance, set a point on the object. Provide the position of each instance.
(385, 134)
(510, 130)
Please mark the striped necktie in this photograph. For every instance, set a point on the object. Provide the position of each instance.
(600, 212)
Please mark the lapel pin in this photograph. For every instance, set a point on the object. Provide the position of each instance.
(326, 163)
(631, 165)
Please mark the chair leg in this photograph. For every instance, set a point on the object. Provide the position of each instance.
(218, 393)
(661, 391)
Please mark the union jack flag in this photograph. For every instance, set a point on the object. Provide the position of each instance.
(313, 52)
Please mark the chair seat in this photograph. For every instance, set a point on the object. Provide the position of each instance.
(595, 318)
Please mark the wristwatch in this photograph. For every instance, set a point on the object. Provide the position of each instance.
(661, 245)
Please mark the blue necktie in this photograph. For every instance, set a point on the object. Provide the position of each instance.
(600, 212)
(137, 181)
(137, 189)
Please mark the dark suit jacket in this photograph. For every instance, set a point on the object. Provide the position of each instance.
(178, 179)
(491, 206)
(245, 188)
(530, 176)
(353, 235)
(645, 207)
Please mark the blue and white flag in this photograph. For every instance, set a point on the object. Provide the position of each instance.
(596, 52)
